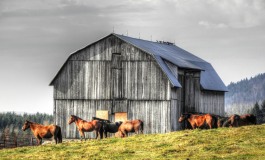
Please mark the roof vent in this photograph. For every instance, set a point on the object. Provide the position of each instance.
(164, 42)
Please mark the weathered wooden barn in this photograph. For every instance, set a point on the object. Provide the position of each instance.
(119, 78)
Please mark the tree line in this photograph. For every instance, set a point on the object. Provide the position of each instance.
(243, 94)
(13, 122)
(259, 111)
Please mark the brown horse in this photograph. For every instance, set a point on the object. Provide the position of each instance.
(41, 131)
(243, 120)
(85, 126)
(131, 126)
(198, 121)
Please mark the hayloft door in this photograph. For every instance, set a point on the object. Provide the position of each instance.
(116, 76)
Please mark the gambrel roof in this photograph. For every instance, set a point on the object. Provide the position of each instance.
(163, 52)
(168, 52)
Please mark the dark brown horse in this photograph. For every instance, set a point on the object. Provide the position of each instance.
(111, 127)
(85, 126)
(41, 131)
(136, 126)
(243, 120)
(198, 121)
(221, 121)
(108, 126)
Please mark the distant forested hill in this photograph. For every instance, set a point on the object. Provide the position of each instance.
(14, 122)
(244, 94)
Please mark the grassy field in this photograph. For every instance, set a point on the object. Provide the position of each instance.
(226, 143)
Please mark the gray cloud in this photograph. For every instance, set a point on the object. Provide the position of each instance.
(37, 36)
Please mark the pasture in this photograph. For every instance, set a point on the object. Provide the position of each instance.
(247, 142)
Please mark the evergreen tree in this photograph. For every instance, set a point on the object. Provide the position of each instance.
(257, 112)
(263, 111)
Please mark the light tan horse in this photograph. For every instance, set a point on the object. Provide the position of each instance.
(136, 126)
(41, 131)
(85, 126)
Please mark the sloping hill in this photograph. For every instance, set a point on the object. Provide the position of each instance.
(243, 94)
(225, 143)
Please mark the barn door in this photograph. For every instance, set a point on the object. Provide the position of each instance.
(187, 93)
(116, 76)
(189, 99)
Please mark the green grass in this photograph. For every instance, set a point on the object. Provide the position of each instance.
(226, 143)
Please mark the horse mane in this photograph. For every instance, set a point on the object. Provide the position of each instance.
(76, 116)
(33, 122)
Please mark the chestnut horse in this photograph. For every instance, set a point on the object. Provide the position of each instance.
(131, 126)
(198, 121)
(85, 126)
(243, 120)
(41, 131)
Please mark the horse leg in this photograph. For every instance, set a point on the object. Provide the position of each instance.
(39, 141)
(136, 131)
(193, 125)
(56, 139)
(121, 134)
(210, 125)
(101, 134)
(82, 135)
(96, 134)
(105, 132)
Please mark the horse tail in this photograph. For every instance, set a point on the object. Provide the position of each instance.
(142, 127)
(101, 129)
(59, 135)
(215, 120)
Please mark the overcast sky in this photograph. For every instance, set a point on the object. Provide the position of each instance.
(37, 36)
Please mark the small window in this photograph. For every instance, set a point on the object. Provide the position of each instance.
(103, 114)
(121, 116)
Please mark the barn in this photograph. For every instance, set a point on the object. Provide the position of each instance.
(120, 77)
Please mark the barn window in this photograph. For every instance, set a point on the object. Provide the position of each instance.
(103, 114)
(121, 116)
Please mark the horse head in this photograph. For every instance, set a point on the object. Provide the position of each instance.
(26, 125)
(118, 123)
(72, 119)
(183, 117)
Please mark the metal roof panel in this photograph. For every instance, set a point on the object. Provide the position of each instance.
(181, 58)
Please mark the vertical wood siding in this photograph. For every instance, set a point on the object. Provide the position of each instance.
(212, 102)
(155, 115)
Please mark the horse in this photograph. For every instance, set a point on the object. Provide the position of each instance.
(136, 126)
(243, 120)
(221, 121)
(198, 121)
(85, 126)
(41, 131)
(110, 127)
